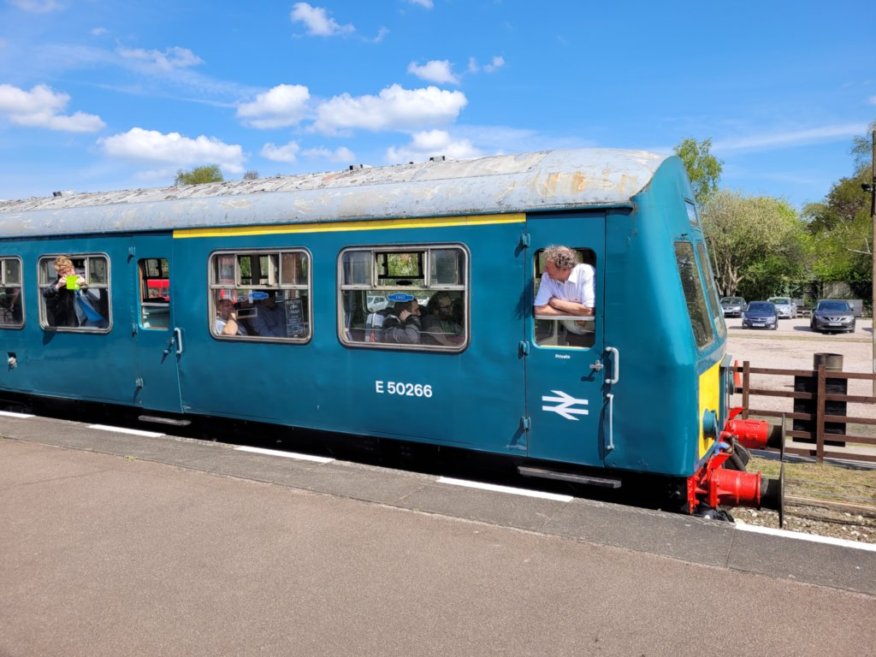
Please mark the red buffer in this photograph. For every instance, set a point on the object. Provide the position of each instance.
(715, 485)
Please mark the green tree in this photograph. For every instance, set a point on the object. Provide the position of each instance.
(841, 227)
(199, 175)
(758, 244)
(703, 168)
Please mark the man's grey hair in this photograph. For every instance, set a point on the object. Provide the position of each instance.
(562, 257)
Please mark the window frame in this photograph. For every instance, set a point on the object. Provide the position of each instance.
(41, 285)
(20, 285)
(275, 283)
(375, 285)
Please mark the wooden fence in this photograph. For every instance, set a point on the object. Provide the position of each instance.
(819, 410)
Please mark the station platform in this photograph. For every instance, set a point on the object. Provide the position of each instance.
(115, 542)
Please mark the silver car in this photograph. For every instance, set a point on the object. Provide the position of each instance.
(785, 307)
(733, 306)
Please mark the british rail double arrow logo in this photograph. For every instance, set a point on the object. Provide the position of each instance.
(565, 405)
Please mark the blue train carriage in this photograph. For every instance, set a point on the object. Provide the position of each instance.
(398, 302)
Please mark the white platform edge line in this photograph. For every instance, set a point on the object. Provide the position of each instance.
(133, 432)
(287, 455)
(812, 538)
(20, 416)
(505, 489)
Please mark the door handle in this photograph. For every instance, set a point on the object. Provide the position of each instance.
(610, 444)
(177, 332)
(615, 366)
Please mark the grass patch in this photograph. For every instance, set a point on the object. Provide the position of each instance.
(825, 481)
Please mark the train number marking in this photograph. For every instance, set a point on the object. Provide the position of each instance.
(565, 405)
(402, 389)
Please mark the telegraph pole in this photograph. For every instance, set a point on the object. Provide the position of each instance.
(873, 255)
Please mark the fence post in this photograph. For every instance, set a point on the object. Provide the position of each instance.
(746, 374)
(819, 415)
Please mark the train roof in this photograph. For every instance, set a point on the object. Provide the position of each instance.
(539, 181)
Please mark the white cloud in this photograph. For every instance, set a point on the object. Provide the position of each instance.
(395, 108)
(284, 105)
(341, 154)
(99, 31)
(173, 149)
(422, 3)
(169, 60)
(786, 139)
(424, 145)
(287, 153)
(495, 64)
(317, 21)
(436, 70)
(41, 108)
(37, 6)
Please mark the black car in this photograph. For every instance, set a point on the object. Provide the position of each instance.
(833, 315)
(732, 306)
(761, 314)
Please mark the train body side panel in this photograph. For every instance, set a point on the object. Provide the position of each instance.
(476, 396)
(92, 366)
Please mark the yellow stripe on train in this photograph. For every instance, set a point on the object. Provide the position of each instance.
(710, 399)
(339, 226)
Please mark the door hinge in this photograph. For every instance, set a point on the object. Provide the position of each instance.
(524, 240)
(525, 423)
(138, 382)
(523, 348)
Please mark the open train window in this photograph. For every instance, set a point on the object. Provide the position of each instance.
(75, 293)
(694, 294)
(409, 297)
(11, 299)
(261, 295)
(154, 293)
(567, 331)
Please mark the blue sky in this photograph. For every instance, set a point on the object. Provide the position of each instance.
(101, 94)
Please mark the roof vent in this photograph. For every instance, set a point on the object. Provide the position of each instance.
(354, 167)
(57, 194)
(438, 158)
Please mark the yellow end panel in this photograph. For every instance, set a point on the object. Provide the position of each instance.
(710, 399)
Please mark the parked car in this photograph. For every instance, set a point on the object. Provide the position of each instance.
(785, 306)
(732, 306)
(833, 315)
(761, 314)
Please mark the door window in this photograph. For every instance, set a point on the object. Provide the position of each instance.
(75, 293)
(154, 293)
(559, 328)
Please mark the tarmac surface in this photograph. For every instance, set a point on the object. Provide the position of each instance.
(118, 544)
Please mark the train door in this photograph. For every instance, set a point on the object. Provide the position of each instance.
(566, 366)
(157, 342)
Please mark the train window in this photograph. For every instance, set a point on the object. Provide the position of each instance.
(261, 295)
(717, 312)
(694, 294)
(154, 293)
(411, 297)
(572, 331)
(11, 299)
(75, 293)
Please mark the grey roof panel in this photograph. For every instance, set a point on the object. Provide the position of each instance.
(547, 180)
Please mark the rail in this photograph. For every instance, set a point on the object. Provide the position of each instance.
(819, 410)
